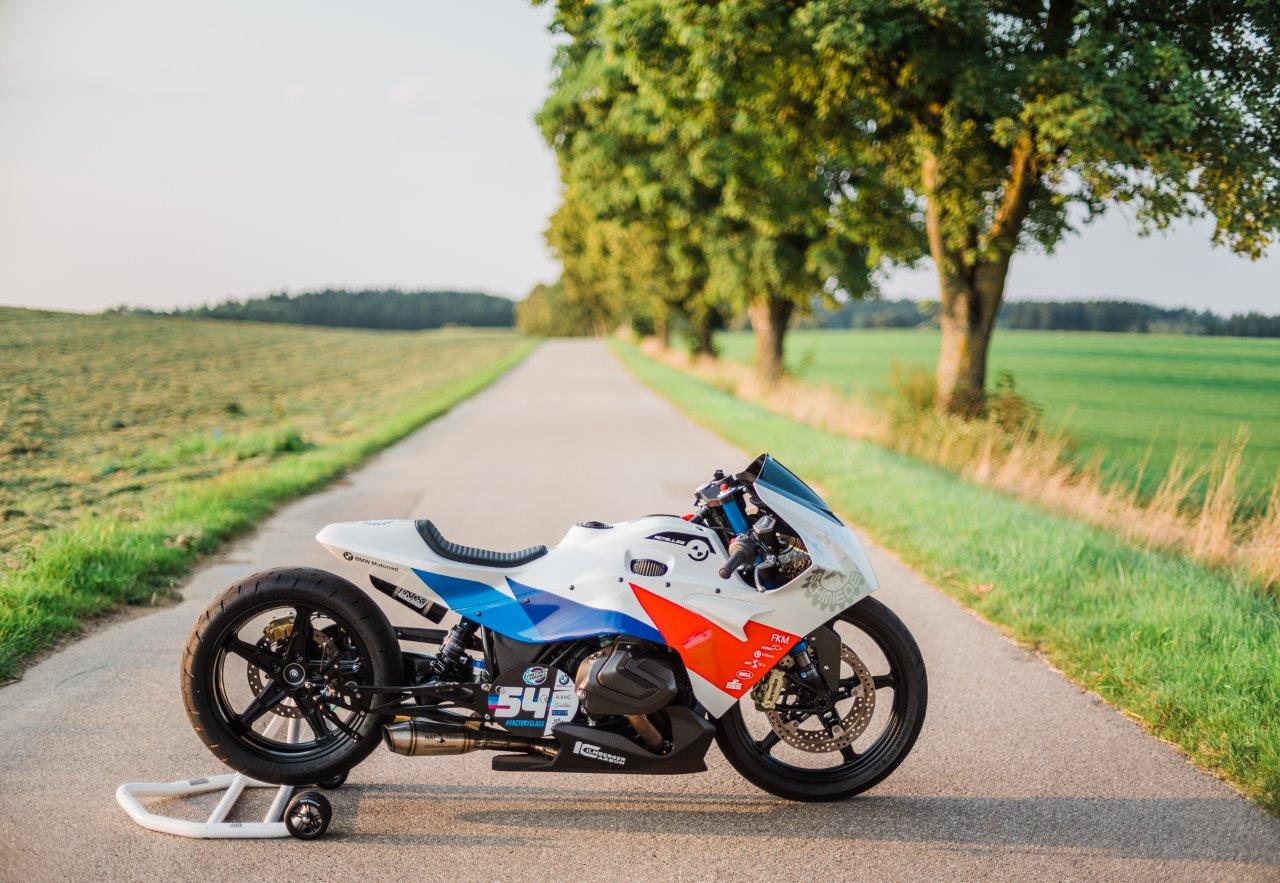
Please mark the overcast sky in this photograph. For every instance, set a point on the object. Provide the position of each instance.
(163, 152)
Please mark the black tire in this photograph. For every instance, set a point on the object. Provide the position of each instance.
(308, 815)
(890, 748)
(364, 625)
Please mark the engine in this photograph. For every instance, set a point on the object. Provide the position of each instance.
(628, 680)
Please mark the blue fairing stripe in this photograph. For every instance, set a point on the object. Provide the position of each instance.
(534, 615)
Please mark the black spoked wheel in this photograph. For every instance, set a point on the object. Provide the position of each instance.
(275, 673)
(810, 746)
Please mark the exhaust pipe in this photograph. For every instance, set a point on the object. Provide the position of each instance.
(420, 738)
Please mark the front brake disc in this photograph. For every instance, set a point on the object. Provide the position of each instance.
(852, 725)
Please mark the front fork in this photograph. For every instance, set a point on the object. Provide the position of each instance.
(824, 698)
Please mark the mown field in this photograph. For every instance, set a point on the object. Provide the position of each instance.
(132, 444)
(1188, 649)
(1130, 399)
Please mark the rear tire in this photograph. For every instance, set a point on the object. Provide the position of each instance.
(367, 637)
(910, 685)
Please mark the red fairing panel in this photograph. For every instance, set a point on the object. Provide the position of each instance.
(731, 665)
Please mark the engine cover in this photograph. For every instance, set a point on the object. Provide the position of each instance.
(624, 681)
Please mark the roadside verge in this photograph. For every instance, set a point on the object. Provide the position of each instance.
(97, 565)
(1185, 649)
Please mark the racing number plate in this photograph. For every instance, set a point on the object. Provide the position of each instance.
(532, 699)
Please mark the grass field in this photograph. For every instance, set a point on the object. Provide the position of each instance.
(130, 445)
(1122, 396)
(1188, 649)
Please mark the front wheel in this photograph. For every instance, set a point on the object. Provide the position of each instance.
(802, 746)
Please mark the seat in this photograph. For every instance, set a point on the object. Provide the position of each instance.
(467, 555)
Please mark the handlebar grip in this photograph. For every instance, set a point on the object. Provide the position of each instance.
(740, 552)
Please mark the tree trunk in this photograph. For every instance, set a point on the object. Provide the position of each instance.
(972, 289)
(769, 317)
(703, 336)
(967, 316)
(662, 331)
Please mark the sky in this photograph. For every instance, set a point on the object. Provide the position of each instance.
(165, 153)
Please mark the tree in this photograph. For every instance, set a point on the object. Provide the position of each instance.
(625, 273)
(1011, 120)
(548, 312)
(656, 136)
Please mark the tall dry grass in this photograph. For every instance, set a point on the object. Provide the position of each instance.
(1197, 509)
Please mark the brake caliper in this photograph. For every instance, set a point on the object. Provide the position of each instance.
(279, 629)
(767, 692)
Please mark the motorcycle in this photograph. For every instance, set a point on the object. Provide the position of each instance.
(627, 649)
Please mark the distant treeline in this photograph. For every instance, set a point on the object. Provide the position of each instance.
(1088, 315)
(389, 308)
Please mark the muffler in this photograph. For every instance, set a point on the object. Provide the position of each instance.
(418, 738)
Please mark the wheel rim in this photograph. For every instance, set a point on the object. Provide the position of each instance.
(876, 744)
(306, 817)
(308, 670)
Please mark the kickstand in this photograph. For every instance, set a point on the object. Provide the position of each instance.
(216, 826)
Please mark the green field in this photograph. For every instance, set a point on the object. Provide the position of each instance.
(1186, 648)
(1127, 398)
(131, 445)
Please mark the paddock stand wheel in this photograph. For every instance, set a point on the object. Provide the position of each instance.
(308, 815)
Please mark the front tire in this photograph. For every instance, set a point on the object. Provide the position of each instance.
(271, 672)
(856, 770)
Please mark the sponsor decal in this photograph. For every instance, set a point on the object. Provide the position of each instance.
(744, 675)
(697, 547)
(734, 685)
(413, 598)
(519, 700)
(363, 560)
(833, 590)
(595, 752)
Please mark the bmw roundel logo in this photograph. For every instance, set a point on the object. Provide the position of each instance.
(348, 556)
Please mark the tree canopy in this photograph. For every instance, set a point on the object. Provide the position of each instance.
(727, 211)
(797, 144)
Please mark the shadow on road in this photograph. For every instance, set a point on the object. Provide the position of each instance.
(1212, 829)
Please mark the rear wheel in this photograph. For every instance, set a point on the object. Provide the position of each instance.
(790, 747)
(272, 670)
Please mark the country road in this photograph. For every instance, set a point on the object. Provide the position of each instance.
(1017, 773)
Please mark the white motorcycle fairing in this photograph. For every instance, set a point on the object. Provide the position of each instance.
(591, 584)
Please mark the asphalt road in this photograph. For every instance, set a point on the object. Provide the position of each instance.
(1017, 773)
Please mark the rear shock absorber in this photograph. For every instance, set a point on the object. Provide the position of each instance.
(452, 659)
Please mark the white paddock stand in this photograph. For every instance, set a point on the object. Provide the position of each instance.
(216, 826)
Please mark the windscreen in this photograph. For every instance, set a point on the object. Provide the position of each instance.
(772, 475)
